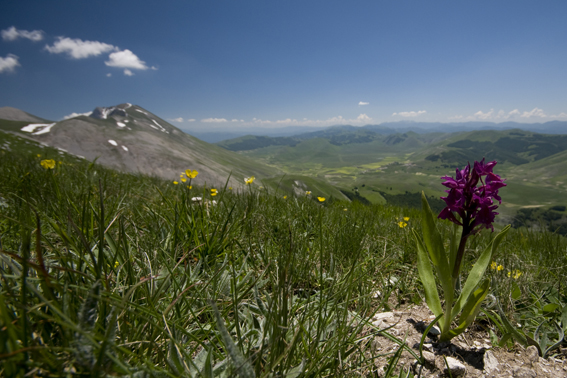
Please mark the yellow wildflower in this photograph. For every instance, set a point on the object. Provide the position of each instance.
(175, 183)
(230, 188)
(190, 186)
(406, 219)
(249, 180)
(499, 268)
(493, 265)
(284, 197)
(213, 192)
(191, 173)
(38, 155)
(308, 193)
(116, 264)
(321, 199)
(515, 274)
(48, 163)
(345, 209)
(183, 179)
(402, 224)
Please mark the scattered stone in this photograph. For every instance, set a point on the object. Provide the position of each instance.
(454, 366)
(490, 363)
(429, 359)
(522, 372)
(532, 354)
(434, 331)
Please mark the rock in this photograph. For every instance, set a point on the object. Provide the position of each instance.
(522, 372)
(429, 359)
(532, 354)
(434, 331)
(454, 366)
(490, 363)
(383, 315)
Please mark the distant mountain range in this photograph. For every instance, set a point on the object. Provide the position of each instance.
(130, 138)
(386, 128)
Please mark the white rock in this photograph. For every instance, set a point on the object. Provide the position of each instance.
(456, 368)
(490, 363)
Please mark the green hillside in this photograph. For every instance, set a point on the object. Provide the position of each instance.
(402, 164)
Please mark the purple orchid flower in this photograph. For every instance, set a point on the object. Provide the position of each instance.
(471, 195)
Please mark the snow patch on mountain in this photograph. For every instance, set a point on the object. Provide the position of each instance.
(42, 128)
(120, 124)
(125, 148)
(161, 128)
(113, 142)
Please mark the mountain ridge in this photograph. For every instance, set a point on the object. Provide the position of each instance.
(132, 139)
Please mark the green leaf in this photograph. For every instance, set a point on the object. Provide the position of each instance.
(241, 364)
(478, 270)
(427, 278)
(434, 243)
(549, 308)
(471, 309)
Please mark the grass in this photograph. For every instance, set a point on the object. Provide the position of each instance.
(104, 273)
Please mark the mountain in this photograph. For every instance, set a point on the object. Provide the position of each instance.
(13, 114)
(130, 138)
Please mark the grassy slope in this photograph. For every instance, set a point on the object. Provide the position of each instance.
(291, 278)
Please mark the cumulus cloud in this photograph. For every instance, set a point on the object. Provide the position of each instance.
(362, 119)
(73, 115)
(108, 74)
(9, 63)
(11, 34)
(127, 72)
(125, 59)
(179, 119)
(503, 115)
(481, 115)
(79, 49)
(234, 120)
(191, 120)
(214, 120)
(363, 103)
(410, 114)
(535, 112)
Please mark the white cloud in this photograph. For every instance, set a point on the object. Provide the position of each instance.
(363, 103)
(179, 119)
(9, 63)
(234, 120)
(483, 116)
(11, 34)
(154, 68)
(125, 59)
(73, 115)
(536, 112)
(410, 114)
(191, 120)
(362, 119)
(127, 72)
(79, 49)
(214, 120)
(514, 112)
(108, 74)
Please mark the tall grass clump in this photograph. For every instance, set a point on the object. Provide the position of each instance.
(111, 274)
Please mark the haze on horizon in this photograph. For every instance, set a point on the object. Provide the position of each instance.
(253, 64)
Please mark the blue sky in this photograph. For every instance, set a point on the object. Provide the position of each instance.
(241, 64)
